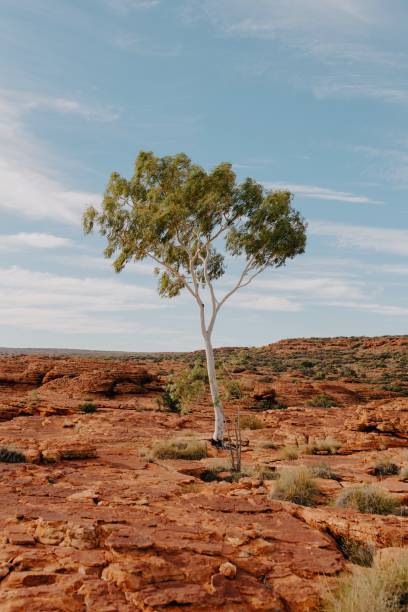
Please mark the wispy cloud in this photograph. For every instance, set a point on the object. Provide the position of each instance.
(378, 239)
(259, 301)
(335, 89)
(321, 193)
(314, 287)
(25, 101)
(381, 309)
(124, 6)
(262, 17)
(145, 47)
(40, 300)
(33, 240)
(27, 185)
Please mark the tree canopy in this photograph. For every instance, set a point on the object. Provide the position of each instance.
(176, 213)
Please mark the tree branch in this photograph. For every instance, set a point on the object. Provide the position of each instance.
(173, 271)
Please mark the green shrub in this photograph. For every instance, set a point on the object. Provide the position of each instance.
(289, 453)
(296, 485)
(323, 470)
(322, 401)
(169, 402)
(367, 499)
(179, 448)
(186, 388)
(250, 421)
(9, 455)
(88, 407)
(385, 468)
(383, 588)
(231, 389)
(328, 446)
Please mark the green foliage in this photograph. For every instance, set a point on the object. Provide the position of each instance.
(186, 388)
(250, 421)
(296, 485)
(367, 499)
(88, 407)
(231, 389)
(179, 448)
(322, 401)
(173, 211)
(9, 455)
(383, 588)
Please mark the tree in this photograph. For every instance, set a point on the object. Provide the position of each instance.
(186, 219)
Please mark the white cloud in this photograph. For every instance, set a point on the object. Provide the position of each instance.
(141, 46)
(382, 309)
(381, 240)
(32, 240)
(314, 287)
(25, 101)
(263, 17)
(39, 300)
(361, 90)
(258, 301)
(123, 6)
(321, 193)
(27, 185)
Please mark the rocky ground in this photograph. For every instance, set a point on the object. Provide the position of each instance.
(91, 521)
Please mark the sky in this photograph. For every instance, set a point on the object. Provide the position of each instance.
(310, 95)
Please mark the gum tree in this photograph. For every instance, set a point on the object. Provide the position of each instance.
(187, 220)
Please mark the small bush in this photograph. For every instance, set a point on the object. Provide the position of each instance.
(359, 553)
(322, 401)
(263, 472)
(323, 470)
(179, 448)
(186, 388)
(168, 401)
(8, 455)
(88, 407)
(289, 453)
(297, 486)
(269, 445)
(232, 390)
(328, 446)
(367, 499)
(385, 468)
(250, 421)
(383, 588)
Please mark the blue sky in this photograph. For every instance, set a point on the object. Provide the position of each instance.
(306, 94)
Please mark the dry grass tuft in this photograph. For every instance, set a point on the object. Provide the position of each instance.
(179, 448)
(296, 485)
(250, 421)
(289, 453)
(382, 588)
(323, 470)
(368, 499)
(327, 446)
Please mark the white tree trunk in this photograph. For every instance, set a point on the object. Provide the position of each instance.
(218, 435)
